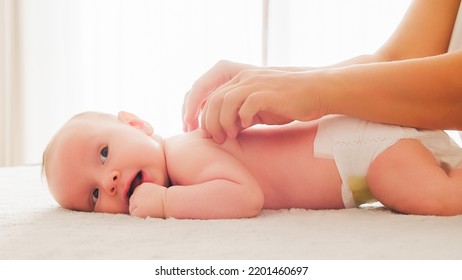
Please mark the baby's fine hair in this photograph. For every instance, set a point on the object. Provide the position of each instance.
(48, 152)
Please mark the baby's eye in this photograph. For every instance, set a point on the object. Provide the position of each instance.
(94, 195)
(104, 154)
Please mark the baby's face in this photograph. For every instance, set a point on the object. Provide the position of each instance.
(97, 163)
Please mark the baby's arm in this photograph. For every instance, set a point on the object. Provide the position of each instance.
(212, 185)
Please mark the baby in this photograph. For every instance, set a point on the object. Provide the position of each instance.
(116, 164)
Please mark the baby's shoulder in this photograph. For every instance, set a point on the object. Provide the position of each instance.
(187, 141)
(190, 146)
(188, 154)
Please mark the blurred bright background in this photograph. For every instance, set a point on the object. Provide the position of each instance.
(62, 57)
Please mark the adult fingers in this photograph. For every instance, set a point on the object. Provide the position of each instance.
(210, 116)
(232, 102)
(194, 99)
(249, 109)
(265, 108)
(215, 77)
(189, 115)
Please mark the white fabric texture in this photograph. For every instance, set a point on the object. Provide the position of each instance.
(32, 226)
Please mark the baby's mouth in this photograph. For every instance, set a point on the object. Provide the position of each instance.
(138, 180)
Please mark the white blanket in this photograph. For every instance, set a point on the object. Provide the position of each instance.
(33, 226)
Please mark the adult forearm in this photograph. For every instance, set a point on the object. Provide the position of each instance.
(425, 92)
(362, 59)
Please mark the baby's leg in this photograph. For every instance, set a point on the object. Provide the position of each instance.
(407, 178)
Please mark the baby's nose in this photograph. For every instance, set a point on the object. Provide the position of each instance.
(115, 176)
(112, 183)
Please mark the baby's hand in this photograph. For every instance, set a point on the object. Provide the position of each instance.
(148, 201)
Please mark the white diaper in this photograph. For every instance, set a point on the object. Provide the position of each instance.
(354, 144)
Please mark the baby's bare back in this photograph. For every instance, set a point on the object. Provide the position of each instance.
(282, 162)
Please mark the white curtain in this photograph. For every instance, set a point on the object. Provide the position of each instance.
(322, 32)
(66, 56)
(11, 138)
(135, 55)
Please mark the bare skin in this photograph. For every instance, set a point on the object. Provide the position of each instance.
(105, 164)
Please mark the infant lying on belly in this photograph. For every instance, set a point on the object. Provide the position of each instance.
(116, 164)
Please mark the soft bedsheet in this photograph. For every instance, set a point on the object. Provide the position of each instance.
(33, 226)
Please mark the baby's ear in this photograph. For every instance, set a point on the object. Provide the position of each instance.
(135, 121)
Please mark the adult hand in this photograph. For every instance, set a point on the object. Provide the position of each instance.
(195, 99)
(261, 96)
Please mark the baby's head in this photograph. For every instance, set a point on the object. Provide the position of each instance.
(95, 161)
